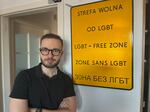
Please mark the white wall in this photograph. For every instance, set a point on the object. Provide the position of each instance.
(9, 6)
(95, 99)
(12, 3)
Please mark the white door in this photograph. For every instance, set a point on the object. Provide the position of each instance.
(27, 50)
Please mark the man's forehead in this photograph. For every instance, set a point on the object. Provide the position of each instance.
(56, 43)
(51, 41)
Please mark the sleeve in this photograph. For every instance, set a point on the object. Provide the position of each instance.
(69, 87)
(20, 88)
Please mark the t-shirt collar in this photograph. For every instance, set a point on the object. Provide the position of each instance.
(39, 71)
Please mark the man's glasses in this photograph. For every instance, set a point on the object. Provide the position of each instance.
(45, 51)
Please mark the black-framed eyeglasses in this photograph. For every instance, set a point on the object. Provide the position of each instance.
(45, 51)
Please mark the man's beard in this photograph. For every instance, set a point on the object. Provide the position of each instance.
(50, 65)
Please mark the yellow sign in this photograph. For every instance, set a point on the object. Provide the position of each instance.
(102, 44)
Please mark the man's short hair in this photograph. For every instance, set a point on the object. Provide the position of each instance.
(51, 36)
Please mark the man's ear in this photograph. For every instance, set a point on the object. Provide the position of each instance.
(62, 52)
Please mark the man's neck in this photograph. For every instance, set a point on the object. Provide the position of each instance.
(50, 72)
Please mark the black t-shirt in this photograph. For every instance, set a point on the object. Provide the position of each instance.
(40, 90)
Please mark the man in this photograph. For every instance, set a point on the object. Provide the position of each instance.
(44, 88)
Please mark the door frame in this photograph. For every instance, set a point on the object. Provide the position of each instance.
(6, 39)
(146, 97)
(1, 95)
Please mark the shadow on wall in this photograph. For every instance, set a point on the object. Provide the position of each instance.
(79, 98)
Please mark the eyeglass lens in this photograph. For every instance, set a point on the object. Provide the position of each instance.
(45, 51)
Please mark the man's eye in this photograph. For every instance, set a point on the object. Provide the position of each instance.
(44, 49)
(56, 50)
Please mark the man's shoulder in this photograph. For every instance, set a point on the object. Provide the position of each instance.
(64, 74)
(33, 69)
(30, 71)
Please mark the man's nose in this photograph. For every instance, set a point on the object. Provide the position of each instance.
(50, 54)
